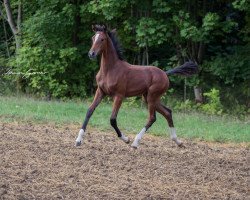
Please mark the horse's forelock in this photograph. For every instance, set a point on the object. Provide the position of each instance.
(97, 27)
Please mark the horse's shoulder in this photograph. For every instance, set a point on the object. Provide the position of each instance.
(98, 76)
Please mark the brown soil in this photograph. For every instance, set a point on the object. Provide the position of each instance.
(41, 162)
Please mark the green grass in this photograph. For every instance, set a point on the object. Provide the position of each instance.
(130, 119)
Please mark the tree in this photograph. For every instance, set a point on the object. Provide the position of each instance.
(56, 39)
(15, 26)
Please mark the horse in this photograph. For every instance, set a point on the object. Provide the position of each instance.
(119, 79)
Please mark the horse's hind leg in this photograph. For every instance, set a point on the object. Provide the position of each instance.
(167, 113)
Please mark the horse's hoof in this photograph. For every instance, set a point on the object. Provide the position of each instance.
(181, 145)
(134, 146)
(124, 139)
(128, 141)
(78, 143)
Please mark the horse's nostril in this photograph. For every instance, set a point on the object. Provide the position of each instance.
(91, 54)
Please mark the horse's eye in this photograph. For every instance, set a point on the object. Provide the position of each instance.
(102, 40)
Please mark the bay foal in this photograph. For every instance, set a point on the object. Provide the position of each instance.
(119, 79)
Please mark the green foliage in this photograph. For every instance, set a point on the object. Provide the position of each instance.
(150, 32)
(48, 56)
(132, 102)
(110, 9)
(213, 106)
(232, 68)
(184, 105)
(7, 86)
(241, 5)
(187, 29)
(49, 65)
(210, 28)
(161, 6)
(56, 38)
(210, 21)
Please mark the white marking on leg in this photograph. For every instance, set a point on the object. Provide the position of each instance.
(124, 138)
(173, 136)
(138, 138)
(80, 136)
(96, 37)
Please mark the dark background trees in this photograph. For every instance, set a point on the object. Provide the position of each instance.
(53, 36)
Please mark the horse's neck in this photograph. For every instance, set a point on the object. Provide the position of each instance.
(109, 58)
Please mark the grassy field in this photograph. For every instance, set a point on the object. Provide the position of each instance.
(130, 119)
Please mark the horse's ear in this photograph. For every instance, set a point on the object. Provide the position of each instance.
(104, 28)
(94, 28)
(114, 31)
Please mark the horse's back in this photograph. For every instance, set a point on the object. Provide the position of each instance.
(154, 74)
(142, 79)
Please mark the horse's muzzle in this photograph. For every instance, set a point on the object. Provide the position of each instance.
(92, 55)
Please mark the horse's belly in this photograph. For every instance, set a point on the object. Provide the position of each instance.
(136, 89)
(135, 93)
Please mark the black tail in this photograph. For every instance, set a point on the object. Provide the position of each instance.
(187, 69)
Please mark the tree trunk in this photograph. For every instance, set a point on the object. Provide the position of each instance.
(6, 39)
(147, 62)
(16, 29)
(198, 94)
(139, 58)
(77, 20)
(201, 52)
(185, 89)
(143, 57)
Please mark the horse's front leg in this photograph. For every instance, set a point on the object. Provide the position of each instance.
(98, 98)
(116, 106)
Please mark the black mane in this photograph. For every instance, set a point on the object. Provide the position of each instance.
(117, 45)
(112, 35)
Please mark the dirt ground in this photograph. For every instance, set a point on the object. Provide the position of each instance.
(41, 162)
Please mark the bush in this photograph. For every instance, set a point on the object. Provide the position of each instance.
(213, 106)
(184, 105)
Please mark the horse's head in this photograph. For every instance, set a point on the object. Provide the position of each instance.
(99, 41)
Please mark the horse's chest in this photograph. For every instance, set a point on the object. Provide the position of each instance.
(107, 86)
